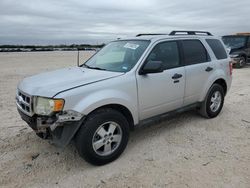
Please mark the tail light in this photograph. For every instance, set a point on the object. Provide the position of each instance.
(231, 67)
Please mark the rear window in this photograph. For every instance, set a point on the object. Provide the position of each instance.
(194, 52)
(218, 48)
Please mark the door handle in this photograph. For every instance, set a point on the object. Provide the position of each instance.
(208, 69)
(176, 76)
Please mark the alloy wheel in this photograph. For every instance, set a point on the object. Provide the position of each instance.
(107, 138)
(215, 101)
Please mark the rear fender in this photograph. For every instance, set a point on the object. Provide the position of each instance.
(218, 74)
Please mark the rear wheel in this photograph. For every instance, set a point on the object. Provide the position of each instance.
(213, 102)
(103, 136)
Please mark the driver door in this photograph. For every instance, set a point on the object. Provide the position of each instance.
(162, 92)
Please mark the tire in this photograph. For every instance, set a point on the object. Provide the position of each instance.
(94, 141)
(207, 109)
(241, 62)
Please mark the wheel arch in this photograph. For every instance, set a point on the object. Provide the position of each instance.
(219, 80)
(120, 108)
(223, 83)
(244, 55)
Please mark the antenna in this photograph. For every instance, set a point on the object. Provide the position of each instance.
(78, 57)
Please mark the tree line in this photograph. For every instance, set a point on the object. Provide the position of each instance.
(17, 48)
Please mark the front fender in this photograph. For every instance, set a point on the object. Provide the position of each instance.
(106, 97)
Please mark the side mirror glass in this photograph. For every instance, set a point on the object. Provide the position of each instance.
(152, 67)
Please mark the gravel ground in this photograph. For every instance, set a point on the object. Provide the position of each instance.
(183, 151)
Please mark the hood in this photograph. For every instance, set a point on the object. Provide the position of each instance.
(50, 83)
(236, 50)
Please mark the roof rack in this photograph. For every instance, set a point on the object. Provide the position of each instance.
(146, 34)
(190, 33)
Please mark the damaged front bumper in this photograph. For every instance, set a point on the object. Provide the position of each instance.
(59, 128)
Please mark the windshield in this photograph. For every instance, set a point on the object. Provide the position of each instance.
(118, 56)
(234, 41)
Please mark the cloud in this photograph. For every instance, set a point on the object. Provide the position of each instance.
(95, 21)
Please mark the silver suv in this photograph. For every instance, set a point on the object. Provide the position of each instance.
(127, 83)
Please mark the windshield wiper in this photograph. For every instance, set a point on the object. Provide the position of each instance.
(96, 68)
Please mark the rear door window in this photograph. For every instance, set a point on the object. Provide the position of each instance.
(194, 52)
(217, 48)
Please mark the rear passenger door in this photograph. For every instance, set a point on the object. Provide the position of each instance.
(198, 68)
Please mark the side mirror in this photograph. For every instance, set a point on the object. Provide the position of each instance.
(151, 67)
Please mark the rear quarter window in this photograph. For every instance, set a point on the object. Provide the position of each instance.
(217, 48)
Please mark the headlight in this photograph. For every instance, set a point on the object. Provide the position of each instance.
(45, 106)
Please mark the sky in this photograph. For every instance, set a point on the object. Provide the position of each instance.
(97, 21)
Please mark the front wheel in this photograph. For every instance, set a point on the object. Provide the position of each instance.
(103, 136)
(213, 102)
(241, 63)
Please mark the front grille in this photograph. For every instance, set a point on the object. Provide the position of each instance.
(24, 102)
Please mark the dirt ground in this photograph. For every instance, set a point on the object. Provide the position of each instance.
(184, 151)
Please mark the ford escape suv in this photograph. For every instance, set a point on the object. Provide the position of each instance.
(127, 83)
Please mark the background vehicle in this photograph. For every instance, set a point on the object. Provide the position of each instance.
(128, 82)
(239, 46)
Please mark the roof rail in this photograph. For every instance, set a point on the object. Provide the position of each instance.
(190, 33)
(146, 34)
